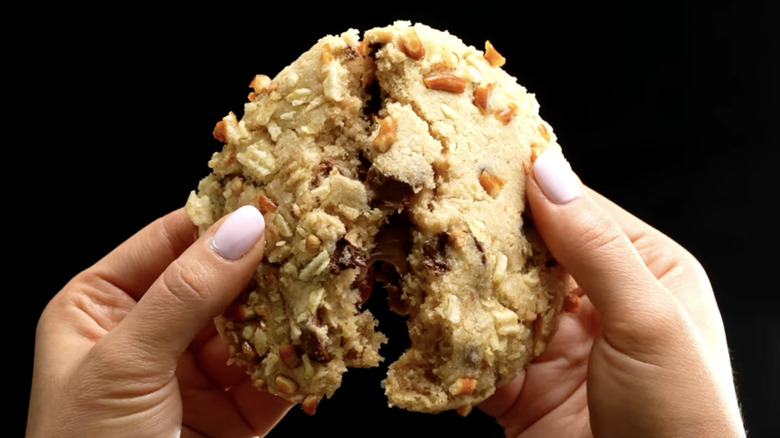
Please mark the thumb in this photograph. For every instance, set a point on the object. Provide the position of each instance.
(595, 250)
(192, 290)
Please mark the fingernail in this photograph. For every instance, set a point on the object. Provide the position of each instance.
(555, 177)
(238, 233)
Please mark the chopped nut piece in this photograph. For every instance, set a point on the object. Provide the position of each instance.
(536, 150)
(236, 312)
(265, 204)
(385, 137)
(260, 83)
(220, 131)
(236, 186)
(492, 56)
(289, 356)
(247, 351)
(445, 82)
(286, 385)
(457, 238)
(483, 97)
(411, 44)
(228, 159)
(463, 386)
(379, 36)
(309, 404)
(491, 183)
(507, 114)
(326, 57)
(543, 130)
(313, 244)
(262, 314)
(464, 410)
(361, 48)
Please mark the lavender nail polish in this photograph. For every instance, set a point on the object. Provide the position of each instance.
(555, 177)
(238, 233)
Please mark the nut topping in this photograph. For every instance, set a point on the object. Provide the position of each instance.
(445, 82)
(463, 386)
(483, 97)
(411, 44)
(543, 130)
(385, 137)
(237, 312)
(536, 150)
(313, 244)
(463, 410)
(286, 385)
(492, 56)
(220, 131)
(289, 356)
(260, 84)
(507, 114)
(379, 36)
(491, 183)
(247, 351)
(309, 404)
(265, 205)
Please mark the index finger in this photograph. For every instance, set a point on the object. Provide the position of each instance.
(136, 263)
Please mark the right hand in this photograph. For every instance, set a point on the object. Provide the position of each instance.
(646, 354)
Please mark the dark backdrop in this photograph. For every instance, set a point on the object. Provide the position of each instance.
(666, 107)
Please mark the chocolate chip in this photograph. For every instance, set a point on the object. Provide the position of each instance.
(312, 345)
(434, 250)
(326, 166)
(346, 256)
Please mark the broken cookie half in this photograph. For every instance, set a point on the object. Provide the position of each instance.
(397, 162)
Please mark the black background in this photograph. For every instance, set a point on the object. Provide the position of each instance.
(668, 108)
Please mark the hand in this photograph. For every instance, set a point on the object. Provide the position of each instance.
(646, 353)
(128, 347)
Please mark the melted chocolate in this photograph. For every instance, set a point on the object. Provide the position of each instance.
(385, 191)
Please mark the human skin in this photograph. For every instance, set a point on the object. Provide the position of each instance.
(646, 354)
(128, 346)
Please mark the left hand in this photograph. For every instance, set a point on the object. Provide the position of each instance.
(128, 347)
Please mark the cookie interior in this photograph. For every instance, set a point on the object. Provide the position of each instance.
(392, 163)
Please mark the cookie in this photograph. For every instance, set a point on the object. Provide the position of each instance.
(394, 164)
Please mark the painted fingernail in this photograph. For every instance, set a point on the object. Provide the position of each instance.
(555, 177)
(238, 233)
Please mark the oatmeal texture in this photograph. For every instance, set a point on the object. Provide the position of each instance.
(394, 162)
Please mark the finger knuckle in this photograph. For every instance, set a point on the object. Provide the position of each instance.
(185, 283)
(601, 235)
